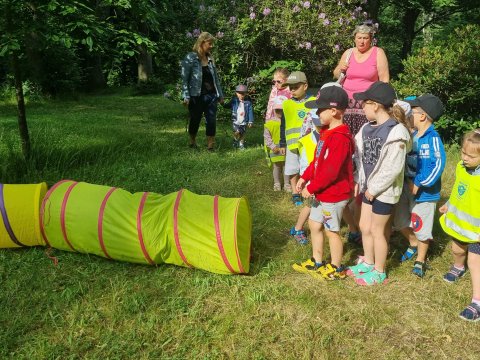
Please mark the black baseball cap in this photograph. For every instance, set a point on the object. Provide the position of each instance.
(329, 97)
(380, 92)
(431, 104)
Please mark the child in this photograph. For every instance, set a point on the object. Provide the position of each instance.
(382, 145)
(271, 136)
(306, 151)
(297, 124)
(461, 220)
(242, 115)
(421, 192)
(331, 183)
(279, 77)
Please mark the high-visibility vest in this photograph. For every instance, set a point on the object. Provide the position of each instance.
(307, 145)
(273, 126)
(295, 113)
(462, 220)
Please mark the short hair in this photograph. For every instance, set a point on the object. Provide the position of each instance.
(364, 29)
(473, 137)
(203, 37)
(429, 118)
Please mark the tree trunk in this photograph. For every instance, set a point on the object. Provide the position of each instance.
(374, 9)
(145, 67)
(409, 20)
(22, 116)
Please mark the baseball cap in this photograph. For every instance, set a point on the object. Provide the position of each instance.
(431, 104)
(329, 97)
(380, 92)
(295, 78)
(241, 88)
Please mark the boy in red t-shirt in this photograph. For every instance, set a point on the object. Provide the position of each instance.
(329, 178)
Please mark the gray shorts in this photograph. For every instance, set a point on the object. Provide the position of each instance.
(292, 162)
(418, 216)
(329, 214)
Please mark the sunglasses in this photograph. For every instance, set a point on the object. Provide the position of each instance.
(277, 82)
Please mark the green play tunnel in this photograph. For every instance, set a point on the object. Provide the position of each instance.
(206, 232)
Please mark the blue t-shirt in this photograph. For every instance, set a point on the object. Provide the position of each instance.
(374, 137)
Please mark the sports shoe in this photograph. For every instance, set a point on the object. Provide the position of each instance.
(241, 145)
(409, 253)
(373, 277)
(297, 200)
(471, 312)
(287, 188)
(307, 267)
(355, 238)
(453, 274)
(299, 236)
(419, 269)
(361, 268)
(330, 272)
(277, 187)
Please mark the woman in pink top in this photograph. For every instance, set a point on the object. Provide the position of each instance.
(363, 65)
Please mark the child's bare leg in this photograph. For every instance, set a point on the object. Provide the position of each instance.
(302, 218)
(365, 228)
(316, 234)
(349, 219)
(380, 234)
(293, 183)
(336, 247)
(410, 236)
(459, 254)
(474, 267)
(277, 172)
(422, 250)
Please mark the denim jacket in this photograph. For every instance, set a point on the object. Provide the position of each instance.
(234, 103)
(192, 76)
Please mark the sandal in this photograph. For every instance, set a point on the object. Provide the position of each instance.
(471, 312)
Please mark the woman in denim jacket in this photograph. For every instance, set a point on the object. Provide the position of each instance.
(201, 89)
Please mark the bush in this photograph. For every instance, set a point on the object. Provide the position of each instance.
(451, 71)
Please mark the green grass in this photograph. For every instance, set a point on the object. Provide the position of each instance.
(90, 307)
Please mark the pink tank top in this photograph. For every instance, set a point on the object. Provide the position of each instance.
(361, 75)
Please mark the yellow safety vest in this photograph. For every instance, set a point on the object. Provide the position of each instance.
(294, 112)
(273, 126)
(307, 145)
(462, 220)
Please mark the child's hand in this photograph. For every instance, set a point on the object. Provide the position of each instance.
(306, 194)
(356, 190)
(250, 125)
(300, 184)
(185, 102)
(282, 151)
(443, 209)
(369, 196)
(276, 150)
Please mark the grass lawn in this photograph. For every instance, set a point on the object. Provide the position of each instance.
(90, 307)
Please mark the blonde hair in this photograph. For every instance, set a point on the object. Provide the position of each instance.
(203, 37)
(364, 29)
(283, 71)
(398, 114)
(473, 137)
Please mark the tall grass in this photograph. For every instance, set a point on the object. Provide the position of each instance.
(90, 307)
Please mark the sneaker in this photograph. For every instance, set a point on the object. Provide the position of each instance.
(299, 236)
(409, 253)
(453, 274)
(287, 188)
(355, 238)
(330, 272)
(471, 312)
(419, 269)
(297, 200)
(277, 187)
(361, 268)
(307, 267)
(241, 145)
(370, 278)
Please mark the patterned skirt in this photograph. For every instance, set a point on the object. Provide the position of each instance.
(354, 116)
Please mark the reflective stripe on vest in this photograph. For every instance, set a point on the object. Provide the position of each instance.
(462, 220)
